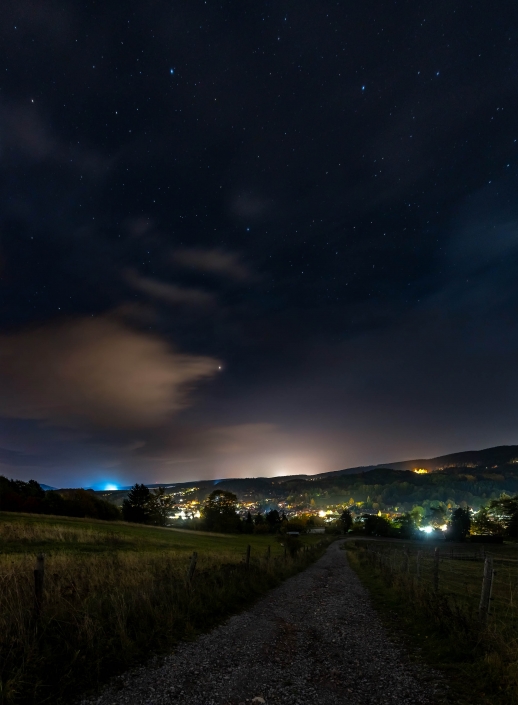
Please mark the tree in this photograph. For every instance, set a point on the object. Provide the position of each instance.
(248, 524)
(376, 525)
(504, 511)
(273, 520)
(436, 514)
(408, 525)
(19, 496)
(219, 512)
(417, 513)
(460, 525)
(483, 523)
(346, 520)
(294, 525)
(405, 526)
(136, 507)
(159, 506)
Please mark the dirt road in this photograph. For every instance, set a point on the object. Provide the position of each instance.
(314, 640)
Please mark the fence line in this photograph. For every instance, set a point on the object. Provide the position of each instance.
(484, 581)
(248, 561)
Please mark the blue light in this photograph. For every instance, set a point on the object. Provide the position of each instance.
(110, 486)
(171, 71)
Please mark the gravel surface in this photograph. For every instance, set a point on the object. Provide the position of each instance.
(313, 640)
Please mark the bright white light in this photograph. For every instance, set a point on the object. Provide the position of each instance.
(426, 529)
(321, 513)
(110, 487)
(444, 527)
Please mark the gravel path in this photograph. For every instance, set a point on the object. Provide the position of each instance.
(313, 640)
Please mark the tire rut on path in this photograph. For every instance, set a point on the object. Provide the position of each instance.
(315, 639)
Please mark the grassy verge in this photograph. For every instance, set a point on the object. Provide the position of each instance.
(114, 594)
(480, 661)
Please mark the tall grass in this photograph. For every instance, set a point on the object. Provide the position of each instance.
(104, 613)
(480, 656)
(29, 534)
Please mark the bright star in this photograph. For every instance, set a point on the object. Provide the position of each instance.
(171, 71)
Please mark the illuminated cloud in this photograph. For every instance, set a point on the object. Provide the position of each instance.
(226, 264)
(233, 450)
(98, 372)
(170, 293)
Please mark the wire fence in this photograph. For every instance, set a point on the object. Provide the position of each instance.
(69, 621)
(481, 580)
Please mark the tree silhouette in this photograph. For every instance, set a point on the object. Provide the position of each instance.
(136, 507)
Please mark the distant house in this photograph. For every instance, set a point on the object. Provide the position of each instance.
(319, 530)
(292, 533)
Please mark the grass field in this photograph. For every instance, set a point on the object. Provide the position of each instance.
(32, 533)
(114, 593)
(479, 656)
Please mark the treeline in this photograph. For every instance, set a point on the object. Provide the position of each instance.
(499, 518)
(30, 497)
(219, 513)
(386, 488)
(406, 526)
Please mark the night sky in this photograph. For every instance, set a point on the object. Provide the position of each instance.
(255, 238)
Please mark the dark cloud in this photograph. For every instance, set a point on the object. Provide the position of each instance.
(169, 293)
(25, 133)
(219, 262)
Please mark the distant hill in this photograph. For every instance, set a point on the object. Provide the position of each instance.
(473, 476)
(487, 459)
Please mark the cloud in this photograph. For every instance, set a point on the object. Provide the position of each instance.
(227, 264)
(96, 372)
(170, 293)
(247, 449)
(25, 132)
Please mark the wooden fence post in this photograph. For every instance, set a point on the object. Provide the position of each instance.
(39, 574)
(248, 548)
(192, 567)
(418, 566)
(436, 570)
(487, 587)
(406, 565)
